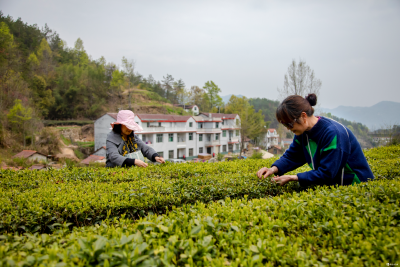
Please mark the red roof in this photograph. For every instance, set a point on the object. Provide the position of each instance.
(37, 167)
(26, 154)
(92, 158)
(271, 130)
(113, 115)
(221, 115)
(162, 118)
(100, 149)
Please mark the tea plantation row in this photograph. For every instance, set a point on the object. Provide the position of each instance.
(345, 226)
(33, 201)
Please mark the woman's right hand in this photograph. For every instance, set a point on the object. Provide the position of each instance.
(265, 172)
(140, 163)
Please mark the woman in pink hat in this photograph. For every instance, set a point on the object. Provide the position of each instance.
(124, 148)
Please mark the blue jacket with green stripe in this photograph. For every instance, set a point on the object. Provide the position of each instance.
(333, 150)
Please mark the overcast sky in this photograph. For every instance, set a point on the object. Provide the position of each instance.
(245, 47)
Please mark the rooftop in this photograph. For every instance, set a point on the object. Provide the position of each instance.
(26, 154)
(92, 158)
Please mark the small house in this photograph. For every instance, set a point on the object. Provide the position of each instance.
(275, 149)
(31, 155)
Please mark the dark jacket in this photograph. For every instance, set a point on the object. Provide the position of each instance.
(114, 145)
(333, 147)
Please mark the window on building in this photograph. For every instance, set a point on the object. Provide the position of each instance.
(217, 125)
(190, 124)
(171, 137)
(200, 137)
(224, 133)
(200, 150)
(217, 136)
(159, 138)
(159, 124)
(224, 148)
(161, 154)
(237, 146)
(170, 154)
(222, 123)
(190, 136)
(200, 124)
(195, 108)
(190, 152)
(208, 137)
(230, 148)
(237, 132)
(148, 124)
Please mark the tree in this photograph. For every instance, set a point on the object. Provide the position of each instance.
(19, 115)
(213, 91)
(299, 80)
(167, 84)
(129, 68)
(251, 123)
(42, 96)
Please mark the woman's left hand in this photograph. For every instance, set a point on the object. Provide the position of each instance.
(281, 180)
(160, 159)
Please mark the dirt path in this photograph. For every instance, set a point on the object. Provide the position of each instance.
(67, 152)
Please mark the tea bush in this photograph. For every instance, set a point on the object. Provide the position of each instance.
(197, 214)
(345, 226)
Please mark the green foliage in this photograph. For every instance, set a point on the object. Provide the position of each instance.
(257, 155)
(212, 92)
(85, 144)
(68, 122)
(251, 122)
(226, 214)
(268, 108)
(19, 114)
(320, 227)
(65, 140)
(79, 154)
(220, 156)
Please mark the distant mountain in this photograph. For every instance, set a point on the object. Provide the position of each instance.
(375, 117)
(227, 97)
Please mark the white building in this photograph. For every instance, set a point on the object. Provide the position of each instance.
(270, 139)
(193, 109)
(173, 136)
(221, 133)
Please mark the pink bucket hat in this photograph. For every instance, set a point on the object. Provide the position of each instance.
(126, 117)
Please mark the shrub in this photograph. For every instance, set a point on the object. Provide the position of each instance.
(257, 155)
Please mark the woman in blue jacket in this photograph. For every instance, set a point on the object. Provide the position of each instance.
(330, 149)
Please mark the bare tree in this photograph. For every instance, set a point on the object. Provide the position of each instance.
(299, 80)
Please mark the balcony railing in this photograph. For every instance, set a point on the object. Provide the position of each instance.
(209, 130)
(212, 143)
(154, 129)
(233, 139)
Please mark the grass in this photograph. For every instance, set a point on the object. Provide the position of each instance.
(79, 154)
(85, 144)
(66, 141)
(67, 127)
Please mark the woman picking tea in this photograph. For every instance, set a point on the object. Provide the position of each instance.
(330, 149)
(123, 147)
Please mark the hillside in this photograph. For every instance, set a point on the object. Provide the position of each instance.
(380, 115)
